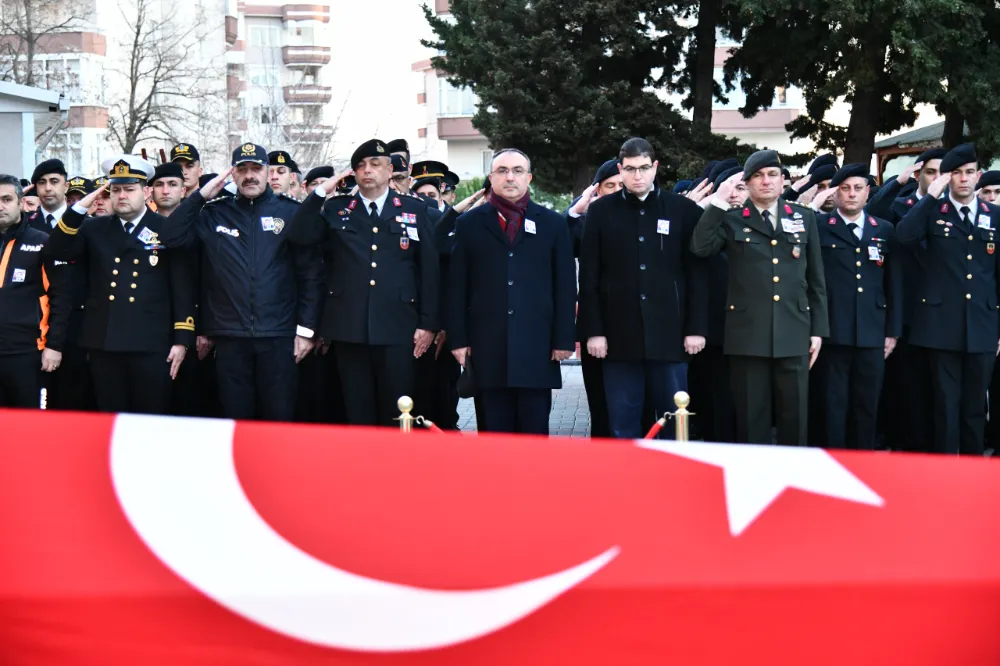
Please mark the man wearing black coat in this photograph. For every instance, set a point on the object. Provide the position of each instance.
(511, 300)
(643, 295)
(864, 291)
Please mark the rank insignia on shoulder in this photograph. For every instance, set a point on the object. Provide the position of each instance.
(746, 212)
(944, 207)
(396, 202)
(352, 205)
(788, 209)
(986, 208)
(873, 223)
(909, 202)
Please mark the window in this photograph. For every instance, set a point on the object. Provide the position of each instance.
(263, 77)
(265, 115)
(454, 101)
(265, 36)
(487, 161)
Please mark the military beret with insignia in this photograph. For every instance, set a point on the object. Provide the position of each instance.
(722, 177)
(959, 156)
(827, 159)
(398, 146)
(720, 166)
(849, 171)
(605, 171)
(399, 163)
(932, 154)
(319, 172)
(682, 186)
(282, 158)
(370, 148)
(167, 170)
(762, 159)
(988, 178)
(48, 167)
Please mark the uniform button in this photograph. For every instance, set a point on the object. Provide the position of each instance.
(135, 261)
(777, 298)
(774, 242)
(969, 276)
(135, 273)
(858, 263)
(510, 254)
(510, 312)
(374, 230)
(732, 307)
(114, 272)
(642, 212)
(969, 257)
(642, 267)
(372, 283)
(642, 297)
(834, 246)
(858, 276)
(132, 300)
(374, 265)
(133, 285)
(970, 237)
(642, 239)
(968, 297)
(774, 261)
(374, 247)
(117, 260)
(111, 297)
(776, 278)
(510, 283)
(114, 284)
(860, 289)
(858, 250)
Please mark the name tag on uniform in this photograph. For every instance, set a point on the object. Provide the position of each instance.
(412, 233)
(146, 236)
(19, 275)
(874, 254)
(267, 223)
(983, 222)
(792, 226)
(663, 227)
(529, 227)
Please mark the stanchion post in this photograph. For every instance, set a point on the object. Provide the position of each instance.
(682, 400)
(405, 405)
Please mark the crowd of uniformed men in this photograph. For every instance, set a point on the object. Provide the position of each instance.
(822, 310)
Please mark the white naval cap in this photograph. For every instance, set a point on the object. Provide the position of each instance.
(123, 169)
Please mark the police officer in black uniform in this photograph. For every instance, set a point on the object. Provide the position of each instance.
(139, 320)
(383, 284)
(956, 319)
(864, 290)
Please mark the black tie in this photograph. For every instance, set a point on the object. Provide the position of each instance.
(373, 208)
(766, 214)
(853, 226)
(129, 226)
(965, 216)
(49, 219)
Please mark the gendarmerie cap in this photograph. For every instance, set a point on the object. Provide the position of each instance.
(988, 178)
(428, 172)
(762, 159)
(849, 171)
(399, 163)
(827, 159)
(281, 158)
(932, 154)
(451, 181)
(825, 172)
(47, 167)
(682, 186)
(398, 146)
(605, 171)
(167, 170)
(319, 172)
(725, 175)
(81, 185)
(250, 152)
(185, 152)
(959, 156)
(127, 169)
(370, 148)
(722, 165)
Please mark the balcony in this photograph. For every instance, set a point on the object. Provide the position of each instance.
(305, 56)
(302, 134)
(319, 13)
(234, 86)
(232, 30)
(457, 128)
(307, 94)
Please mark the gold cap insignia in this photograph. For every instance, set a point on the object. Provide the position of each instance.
(380, 148)
(248, 149)
(281, 159)
(181, 149)
(120, 169)
(76, 181)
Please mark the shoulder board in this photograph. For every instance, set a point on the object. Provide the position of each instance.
(342, 196)
(222, 198)
(288, 197)
(796, 204)
(413, 196)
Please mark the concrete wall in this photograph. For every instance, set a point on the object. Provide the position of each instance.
(12, 157)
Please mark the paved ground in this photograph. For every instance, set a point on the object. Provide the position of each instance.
(570, 413)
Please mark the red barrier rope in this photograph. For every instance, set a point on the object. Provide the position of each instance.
(657, 427)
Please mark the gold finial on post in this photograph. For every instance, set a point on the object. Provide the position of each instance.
(682, 400)
(405, 405)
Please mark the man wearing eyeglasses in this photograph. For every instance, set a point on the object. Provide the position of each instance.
(776, 316)
(643, 295)
(512, 293)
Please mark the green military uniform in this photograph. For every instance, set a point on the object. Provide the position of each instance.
(776, 301)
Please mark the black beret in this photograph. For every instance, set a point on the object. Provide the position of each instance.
(399, 163)
(24, 182)
(721, 178)
(932, 154)
(708, 169)
(785, 173)
(370, 148)
(282, 158)
(184, 151)
(958, 156)
(80, 184)
(825, 172)
(348, 184)
(762, 159)
(696, 183)
(167, 170)
(398, 146)
(720, 166)
(848, 171)
(988, 178)
(682, 186)
(205, 179)
(605, 171)
(827, 159)
(47, 167)
(319, 172)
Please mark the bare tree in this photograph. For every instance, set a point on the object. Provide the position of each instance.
(166, 88)
(27, 27)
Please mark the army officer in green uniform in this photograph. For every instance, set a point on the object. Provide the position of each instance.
(776, 306)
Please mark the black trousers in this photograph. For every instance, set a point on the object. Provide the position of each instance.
(853, 383)
(20, 380)
(137, 382)
(711, 396)
(597, 399)
(907, 414)
(515, 410)
(763, 387)
(71, 387)
(257, 378)
(196, 391)
(960, 382)
(436, 388)
(373, 378)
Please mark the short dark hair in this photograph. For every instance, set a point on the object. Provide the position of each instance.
(6, 179)
(637, 147)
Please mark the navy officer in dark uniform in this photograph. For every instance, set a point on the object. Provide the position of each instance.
(383, 285)
(139, 319)
(956, 318)
(864, 291)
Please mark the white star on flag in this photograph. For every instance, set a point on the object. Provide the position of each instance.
(754, 475)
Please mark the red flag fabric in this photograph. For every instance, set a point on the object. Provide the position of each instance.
(145, 540)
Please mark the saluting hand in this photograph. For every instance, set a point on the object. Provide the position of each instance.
(908, 172)
(940, 184)
(89, 200)
(801, 182)
(335, 182)
(465, 203)
(214, 186)
(701, 192)
(821, 198)
(175, 358)
(726, 189)
(583, 203)
(815, 342)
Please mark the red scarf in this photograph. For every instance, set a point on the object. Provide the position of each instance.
(511, 213)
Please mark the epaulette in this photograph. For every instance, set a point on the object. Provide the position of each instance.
(222, 198)
(289, 197)
(800, 205)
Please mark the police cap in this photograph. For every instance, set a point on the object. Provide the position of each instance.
(250, 152)
(282, 158)
(451, 181)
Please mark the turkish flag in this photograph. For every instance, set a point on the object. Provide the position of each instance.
(144, 540)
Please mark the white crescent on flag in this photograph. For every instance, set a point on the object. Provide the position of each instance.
(176, 482)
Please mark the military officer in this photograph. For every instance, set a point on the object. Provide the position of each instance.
(189, 159)
(168, 187)
(383, 284)
(30, 201)
(777, 316)
(140, 310)
(77, 188)
(956, 319)
(427, 179)
(49, 182)
(823, 164)
(317, 176)
(449, 189)
(102, 204)
(988, 187)
(281, 171)
(864, 287)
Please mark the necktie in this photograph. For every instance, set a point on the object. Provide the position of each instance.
(129, 226)
(767, 218)
(965, 216)
(373, 208)
(854, 229)
(49, 219)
